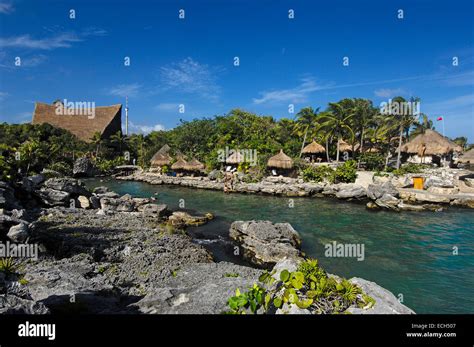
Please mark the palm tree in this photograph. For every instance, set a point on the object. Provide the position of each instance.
(404, 121)
(364, 113)
(96, 140)
(119, 138)
(336, 122)
(305, 119)
(422, 125)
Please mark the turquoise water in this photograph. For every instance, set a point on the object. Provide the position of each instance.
(409, 253)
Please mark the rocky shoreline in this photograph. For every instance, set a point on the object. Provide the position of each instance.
(99, 253)
(442, 188)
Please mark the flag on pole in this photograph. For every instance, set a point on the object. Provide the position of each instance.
(439, 118)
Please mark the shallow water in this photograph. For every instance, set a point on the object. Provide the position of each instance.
(409, 253)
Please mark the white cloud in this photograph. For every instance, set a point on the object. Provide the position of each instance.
(452, 103)
(299, 93)
(58, 40)
(145, 129)
(192, 77)
(34, 60)
(26, 41)
(388, 93)
(123, 90)
(6, 7)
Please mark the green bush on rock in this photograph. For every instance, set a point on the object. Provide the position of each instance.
(309, 287)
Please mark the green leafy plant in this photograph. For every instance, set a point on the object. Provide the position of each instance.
(345, 173)
(317, 173)
(8, 265)
(309, 287)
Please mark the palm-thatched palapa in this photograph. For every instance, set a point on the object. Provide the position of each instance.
(194, 165)
(179, 165)
(235, 158)
(280, 161)
(160, 159)
(467, 157)
(106, 120)
(344, 146)
(313, 148)
(430, 146)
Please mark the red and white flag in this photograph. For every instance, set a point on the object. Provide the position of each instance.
(439, 118)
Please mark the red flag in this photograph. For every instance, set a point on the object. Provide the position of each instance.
(439, 118)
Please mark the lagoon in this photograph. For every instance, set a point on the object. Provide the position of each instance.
(412, 254)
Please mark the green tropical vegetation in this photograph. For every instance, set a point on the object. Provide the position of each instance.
(309, 287)
(26, 149)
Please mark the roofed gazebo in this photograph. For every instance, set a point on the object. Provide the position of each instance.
(160, 159)
(430, 147)
(313, 151)
(194, 166)
(280, 164)
(344, 146)
(179, 166)
(235, 159)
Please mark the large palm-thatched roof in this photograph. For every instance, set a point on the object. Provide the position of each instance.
(107, 120)
(431, 143)
(280, 161)
(194, 165)
(313, 148)
(165, 149)
(180, 164)
(160, 159)
(235, 158)
(467, 157)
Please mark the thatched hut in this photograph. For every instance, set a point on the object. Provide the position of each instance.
(344, 146)
(313, 151)
(194, 166)
(160, 160)
(106, 120)
(179, 166)
(430, 147)
(281, 164)
(234, 160)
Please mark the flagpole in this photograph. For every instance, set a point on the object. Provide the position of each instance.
(443, 127)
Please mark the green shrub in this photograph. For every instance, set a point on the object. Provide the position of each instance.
(309, 287)
(345, 173)
(317, 173)
(409, 168)
(61, 167)
(372, 161)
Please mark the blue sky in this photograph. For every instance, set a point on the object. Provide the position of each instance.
(282, 61)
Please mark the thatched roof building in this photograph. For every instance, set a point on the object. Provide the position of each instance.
(194, 165)
(180, 164)
(467, 157)
(160, 159)
(280, 161)
(235, 158)
(165, 149)
(107, 120)
(344, 146)
(431, 143)
(313, 148)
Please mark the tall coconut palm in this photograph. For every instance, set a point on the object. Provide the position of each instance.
(305, 120)
(119, 139)
(420, 126)
(403, 121)
(96, 140)
(336, 121)
(364, 113)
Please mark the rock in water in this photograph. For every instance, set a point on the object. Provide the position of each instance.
(265, 243)
(385, 301)
(83, 167)
(351, 191)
